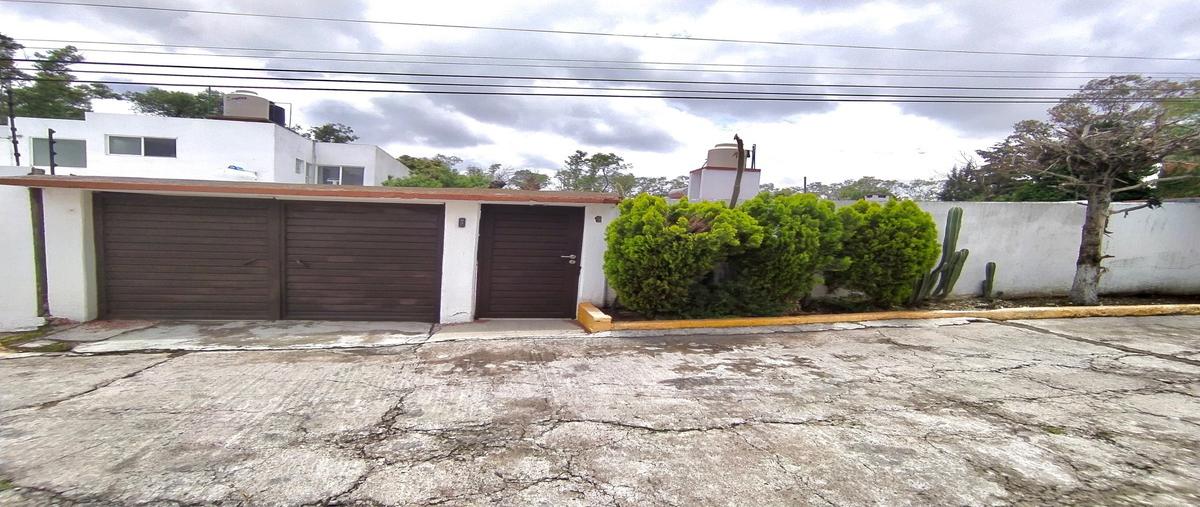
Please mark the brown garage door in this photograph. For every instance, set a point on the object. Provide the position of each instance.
(352, 261)
(185, 258)
(167, 257)
(529, 261)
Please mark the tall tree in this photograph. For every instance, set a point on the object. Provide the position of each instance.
(1106, 138)
(9, 73)
(592, 173)
(54, 94)
(331, 133)
(526, 179)
(159, 102)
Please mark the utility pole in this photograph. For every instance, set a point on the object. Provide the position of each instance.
(741, 168)
(12, 127)
(50, 143)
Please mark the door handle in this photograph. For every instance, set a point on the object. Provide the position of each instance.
(572, 256)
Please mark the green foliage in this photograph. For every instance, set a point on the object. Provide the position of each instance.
(331, 133)
(159, 102)
(54, 94)
(9, 72)
(801, 239)
(525, 179)
(661, 257)
(888, 247)
(598, 172)
(436, 172)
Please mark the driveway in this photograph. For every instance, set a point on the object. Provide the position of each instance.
(1070, 411)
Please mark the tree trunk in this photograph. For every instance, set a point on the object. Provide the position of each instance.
(1086, 288)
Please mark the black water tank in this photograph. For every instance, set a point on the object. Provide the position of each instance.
(277, 116)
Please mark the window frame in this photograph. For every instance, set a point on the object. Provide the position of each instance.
(141, 146)
(33, 151)
(320, 180)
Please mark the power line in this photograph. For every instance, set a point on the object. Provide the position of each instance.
(584, 60)
(594, 67)
(549, 78)
(527, 94)
(550, 87)
(600, 34)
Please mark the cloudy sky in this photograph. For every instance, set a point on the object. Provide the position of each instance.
(824, 141)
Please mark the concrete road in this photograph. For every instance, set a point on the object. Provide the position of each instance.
(1070, 411)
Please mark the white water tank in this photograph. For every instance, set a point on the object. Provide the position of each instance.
(248, 105)
(725, 155)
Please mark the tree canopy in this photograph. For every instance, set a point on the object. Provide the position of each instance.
(54, 94)
(331, 133)
(436, 172)
(159, 102)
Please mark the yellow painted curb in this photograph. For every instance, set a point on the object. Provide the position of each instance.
(592, 319)
(832, 318)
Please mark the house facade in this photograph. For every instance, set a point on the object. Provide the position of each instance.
(142, 248)
(245, 149)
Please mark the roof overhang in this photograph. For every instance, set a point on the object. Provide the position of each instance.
(306, 191)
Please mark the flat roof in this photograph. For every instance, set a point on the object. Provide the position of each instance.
(151, 185)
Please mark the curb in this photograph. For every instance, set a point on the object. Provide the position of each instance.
(594, 320)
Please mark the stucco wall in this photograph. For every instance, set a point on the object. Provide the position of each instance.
(1034, 246)
(70, 253)
(459, 262)
(290, 146)
(592, 284)
(717, 185)
(368, 156)
(18, 300)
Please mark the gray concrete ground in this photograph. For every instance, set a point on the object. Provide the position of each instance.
(974, 413)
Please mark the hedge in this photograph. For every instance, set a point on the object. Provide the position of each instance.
(888, 247)
(661, 257)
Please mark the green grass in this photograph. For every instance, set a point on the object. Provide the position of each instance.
(1054, 430)
(5, 485)
(10, 341)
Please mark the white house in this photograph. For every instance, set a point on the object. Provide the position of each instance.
(244, 147)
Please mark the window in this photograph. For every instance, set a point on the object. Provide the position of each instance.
(299, 166)
(67, 152)
(145, 146)
(340, 175)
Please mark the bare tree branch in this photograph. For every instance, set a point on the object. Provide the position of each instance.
(1147, 183)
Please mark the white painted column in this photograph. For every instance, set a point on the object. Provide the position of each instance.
(70, 253)
(18, 301)
(591, 277)
(459, 254)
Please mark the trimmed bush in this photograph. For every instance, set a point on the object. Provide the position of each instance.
(801, 238)
(661, 256)
(888, 247)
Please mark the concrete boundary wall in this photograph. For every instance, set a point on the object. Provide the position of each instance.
(18, 299)
(1034, 246)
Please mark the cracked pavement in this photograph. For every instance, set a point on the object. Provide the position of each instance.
(1102, 410)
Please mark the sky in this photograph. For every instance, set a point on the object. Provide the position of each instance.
(820, 141)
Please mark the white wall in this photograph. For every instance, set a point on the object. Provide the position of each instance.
(288, 147)
(1034, 246)
(204, 148)
(70, 253)
(18, 300)
(592, 284)
(717, 185)
(459, 262)
(385, 166)
(377, 163)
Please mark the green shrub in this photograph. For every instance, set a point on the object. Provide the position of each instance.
(888, 247)
(661, 256)
(801, 238)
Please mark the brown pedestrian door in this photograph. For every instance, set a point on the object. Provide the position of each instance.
(170, 257)
(528, 261)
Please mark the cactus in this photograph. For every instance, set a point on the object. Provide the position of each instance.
(989, 279)
(940, 282)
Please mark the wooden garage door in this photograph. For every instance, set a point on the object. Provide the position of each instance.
(529, 261)
(354, 261)
(185, 257)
